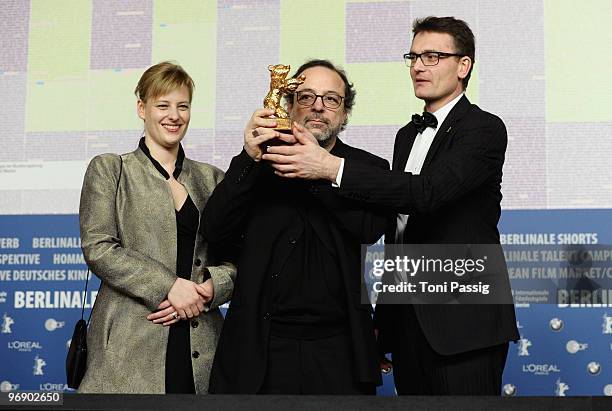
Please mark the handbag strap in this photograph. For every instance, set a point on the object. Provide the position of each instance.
(84, 297)
(87, 278)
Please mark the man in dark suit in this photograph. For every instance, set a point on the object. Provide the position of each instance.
(296, 324)
(445, 187)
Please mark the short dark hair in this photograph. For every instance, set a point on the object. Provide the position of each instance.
(349, 90)
(458, 29)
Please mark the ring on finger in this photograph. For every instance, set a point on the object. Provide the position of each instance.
(175, 315)
(255, 133)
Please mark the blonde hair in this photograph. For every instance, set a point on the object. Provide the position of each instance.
(162, 78)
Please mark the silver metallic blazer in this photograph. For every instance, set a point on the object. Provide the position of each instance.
(129, 239)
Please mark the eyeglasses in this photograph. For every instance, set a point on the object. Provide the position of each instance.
(428, 58)
(308, 98)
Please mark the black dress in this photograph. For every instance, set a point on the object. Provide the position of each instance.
(179, 372)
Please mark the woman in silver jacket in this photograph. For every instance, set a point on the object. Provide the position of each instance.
(156, 319)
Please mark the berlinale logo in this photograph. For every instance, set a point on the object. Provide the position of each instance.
(561, 387)
(39, 363)
(6, 324)
(523, 347)
(607, 324)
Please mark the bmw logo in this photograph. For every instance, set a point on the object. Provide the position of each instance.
(509, 390)
(594, 368)
(556, 324)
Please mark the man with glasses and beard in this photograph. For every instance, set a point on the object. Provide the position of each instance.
(296, 324)
(444, 188)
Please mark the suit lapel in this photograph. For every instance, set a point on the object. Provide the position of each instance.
(406, 138)
(198, 189)
(446, 129)
(339, 148)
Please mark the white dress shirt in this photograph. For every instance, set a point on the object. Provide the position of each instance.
(419, 151)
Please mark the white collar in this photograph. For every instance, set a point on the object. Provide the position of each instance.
(442, 112)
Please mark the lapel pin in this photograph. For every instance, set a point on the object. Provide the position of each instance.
(449, 128)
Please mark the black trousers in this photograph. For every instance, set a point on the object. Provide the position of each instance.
(179, 371)
(321, 366)
(419, 370)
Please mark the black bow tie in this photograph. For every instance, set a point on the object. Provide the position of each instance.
(424, 121)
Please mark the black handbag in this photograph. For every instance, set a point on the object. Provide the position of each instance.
(76, 360)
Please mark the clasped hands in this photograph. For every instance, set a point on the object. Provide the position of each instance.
(302, 157)
(185, 300)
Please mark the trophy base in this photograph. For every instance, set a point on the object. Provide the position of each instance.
(283, 125)
(275, 142)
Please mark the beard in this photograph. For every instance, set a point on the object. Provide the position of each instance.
(324, 136)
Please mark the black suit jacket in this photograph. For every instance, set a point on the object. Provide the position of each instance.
(455, 199)
(254, 208)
